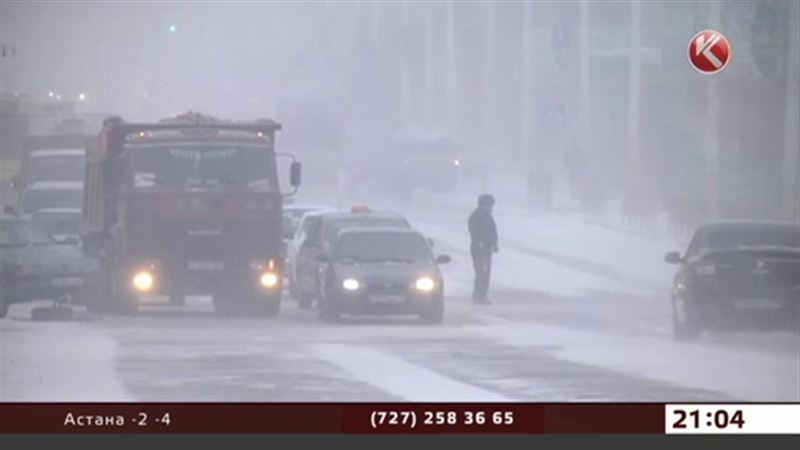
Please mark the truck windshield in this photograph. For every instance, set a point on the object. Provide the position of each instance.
(203, 165)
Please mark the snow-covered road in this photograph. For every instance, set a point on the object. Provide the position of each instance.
(580, 313)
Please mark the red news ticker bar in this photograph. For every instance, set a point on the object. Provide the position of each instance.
(618, 418)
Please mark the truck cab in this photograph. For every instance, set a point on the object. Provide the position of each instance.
(189, 205)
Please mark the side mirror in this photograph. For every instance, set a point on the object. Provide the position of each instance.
(443, 259)
(295, 174)
(430, 242)
(323, 259)
(673, 258)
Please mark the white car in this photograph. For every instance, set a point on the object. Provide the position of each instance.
(308, 221)
(292, 214)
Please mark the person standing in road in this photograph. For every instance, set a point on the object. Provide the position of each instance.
(483, 242)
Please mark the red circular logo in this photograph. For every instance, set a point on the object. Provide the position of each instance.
(709, 51)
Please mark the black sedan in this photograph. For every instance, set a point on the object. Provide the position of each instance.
(735, 274)
(35, 266)
(381, 271)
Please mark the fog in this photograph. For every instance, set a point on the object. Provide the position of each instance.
(523, 82)
(602, 145)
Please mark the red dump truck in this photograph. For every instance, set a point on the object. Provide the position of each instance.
(188, 205)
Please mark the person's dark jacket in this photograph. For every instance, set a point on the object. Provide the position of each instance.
(482, 230)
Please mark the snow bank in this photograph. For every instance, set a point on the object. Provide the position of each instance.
(746, 374)
(57, 362)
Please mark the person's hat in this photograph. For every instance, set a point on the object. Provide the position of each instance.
(486, 200)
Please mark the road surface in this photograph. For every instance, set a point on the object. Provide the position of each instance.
(568, 323)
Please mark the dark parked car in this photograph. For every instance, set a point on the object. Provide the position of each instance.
(381, 271)
(736, 273)
(36, 267)
(318, 239)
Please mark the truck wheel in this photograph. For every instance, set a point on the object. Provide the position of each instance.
(126, 306)
(685, 326)
(329, 311)
(269, 307)
(124, 302)
(305, 301)
(177, 298)
(292, 287)
(434, 314)
(97, 299)
(222, 307)
(99, 294)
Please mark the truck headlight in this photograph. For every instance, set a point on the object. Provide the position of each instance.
(351, 284)
(269, 279)
(425, 284)
(143, 281)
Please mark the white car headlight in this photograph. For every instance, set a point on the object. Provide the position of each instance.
(351, 284)
(425, 284)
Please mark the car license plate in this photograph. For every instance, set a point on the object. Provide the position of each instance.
(758, 303)
(206, 265)
(388, 299)
(66, 281)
